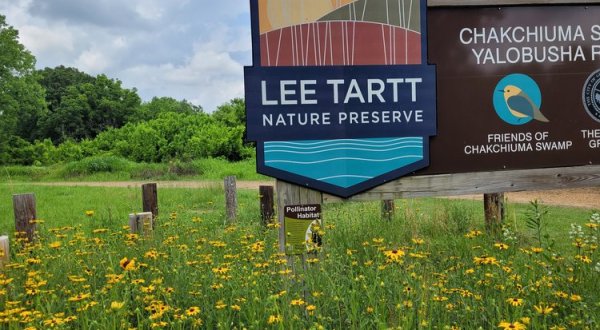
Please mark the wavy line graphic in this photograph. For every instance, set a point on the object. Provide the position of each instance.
(345, 177)
(343, 158)
(340, 149)
(269, 146)
(344, 162)
(327, 142)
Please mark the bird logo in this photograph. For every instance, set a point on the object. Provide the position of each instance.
(520, 104)
(517, 100)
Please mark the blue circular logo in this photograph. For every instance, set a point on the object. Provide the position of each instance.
(524, 88)
(591, 95)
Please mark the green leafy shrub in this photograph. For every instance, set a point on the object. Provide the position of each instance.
(68, 151)
(178, 167)
(146, 171)
(23, 173)
(96, 164)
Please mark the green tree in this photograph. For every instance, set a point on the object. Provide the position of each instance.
(69, 120)
(57, 80)
(15, 60)
(86, 109)
(232, 113)
(21, 97)
(158, 105)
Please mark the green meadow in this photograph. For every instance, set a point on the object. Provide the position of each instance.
(112, 168)
(432, 266)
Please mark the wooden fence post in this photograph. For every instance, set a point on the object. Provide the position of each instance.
(387, 209)
(4, 251)
(150, 200)
(266, 204)
(230, 198)
(24, 209)
(493, 205)
(141, 223)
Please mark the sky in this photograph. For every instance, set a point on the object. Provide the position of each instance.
(184, 49)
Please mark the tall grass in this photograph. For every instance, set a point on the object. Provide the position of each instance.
(113, 168)
(431, 267)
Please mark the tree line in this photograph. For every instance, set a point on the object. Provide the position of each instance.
(62, 114)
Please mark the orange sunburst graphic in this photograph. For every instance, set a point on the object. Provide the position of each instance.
(339, 32)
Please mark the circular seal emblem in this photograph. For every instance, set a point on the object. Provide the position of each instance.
(591, 95)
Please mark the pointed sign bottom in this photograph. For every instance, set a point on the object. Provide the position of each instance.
(343, 167)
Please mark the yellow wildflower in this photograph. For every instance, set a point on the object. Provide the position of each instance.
(127, 264)
(512, 325)
(537, 250)
(394, 255)
(116, 305)
(501, 246)
(515, 301)
(80, 297)
(274, 319)
(192, 311)
(543, 309)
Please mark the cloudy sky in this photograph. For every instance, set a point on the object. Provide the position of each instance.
(185, 49)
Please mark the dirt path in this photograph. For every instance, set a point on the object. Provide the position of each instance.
(582, 197)
(588, 198)
(160, 184)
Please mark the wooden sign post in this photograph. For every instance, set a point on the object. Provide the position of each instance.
(493, 205)
(150, 199)
(230, 198)
(4, 251)
(266, 204)
(387, 209)
(25, 213)
(141, 223)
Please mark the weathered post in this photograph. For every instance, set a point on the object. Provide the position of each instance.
(25, 213)
(387, 209)
(266, 204)
(230, 198)
(150, 200)
(4, 251)
(141, 223)
(493, 205)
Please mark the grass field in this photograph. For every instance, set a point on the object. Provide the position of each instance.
(431, 267)
(112, 168)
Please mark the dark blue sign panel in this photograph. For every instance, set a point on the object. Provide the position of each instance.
(336, 101)
(340, 102)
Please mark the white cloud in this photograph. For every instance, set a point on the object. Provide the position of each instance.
(150, 10)
(185, 49)
(15, 10)
(120, 42)
(223, 37)
(208, 79)
(92, 61)
(40, 39)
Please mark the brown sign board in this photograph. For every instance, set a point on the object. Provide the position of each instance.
(473, 150)
(518, 87)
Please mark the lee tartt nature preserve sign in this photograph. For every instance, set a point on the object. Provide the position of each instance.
(387, 100)
(340, 98)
